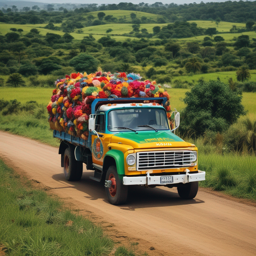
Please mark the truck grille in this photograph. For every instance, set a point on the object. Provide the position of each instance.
(164, 159)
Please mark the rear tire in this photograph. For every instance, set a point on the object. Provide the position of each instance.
(73, 169)
(117, 193)
(188, 191)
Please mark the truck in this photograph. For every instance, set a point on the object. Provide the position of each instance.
(130, 143)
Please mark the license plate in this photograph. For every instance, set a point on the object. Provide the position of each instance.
(166, 179)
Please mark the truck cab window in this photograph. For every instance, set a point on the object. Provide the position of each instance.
(100, 122)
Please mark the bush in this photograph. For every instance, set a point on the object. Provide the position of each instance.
(210, 106)
(28, 70)
(84, 63)
(4, 71)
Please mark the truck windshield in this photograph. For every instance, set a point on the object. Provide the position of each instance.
(139, 119)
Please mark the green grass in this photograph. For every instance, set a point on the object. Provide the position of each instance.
(224, 76)
(226, 36)
(33, 223)
(40, 95)
(117, 28)
(126, 14)
(233, 173)
(223, 26)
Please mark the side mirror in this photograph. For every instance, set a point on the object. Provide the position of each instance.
(177, 120)
(92, 122)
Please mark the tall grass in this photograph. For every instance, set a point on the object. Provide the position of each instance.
(233, 173)
(33, 223)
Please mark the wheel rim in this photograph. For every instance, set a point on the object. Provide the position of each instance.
(112, 189)
(66, 164)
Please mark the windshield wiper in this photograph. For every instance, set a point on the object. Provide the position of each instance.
(126, 128)
(146, 125)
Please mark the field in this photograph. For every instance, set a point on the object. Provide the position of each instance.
(223, 26)
(118, 28)
(42, 96)
(226, 36)
(126, 15)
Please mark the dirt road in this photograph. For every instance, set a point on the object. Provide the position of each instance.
(157, 219)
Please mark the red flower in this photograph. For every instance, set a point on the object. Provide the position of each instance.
(102, 95)
(67, 77)
(74, 75)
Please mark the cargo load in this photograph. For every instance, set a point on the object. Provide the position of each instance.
(70, 105)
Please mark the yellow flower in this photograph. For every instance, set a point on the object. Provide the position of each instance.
(125, 84)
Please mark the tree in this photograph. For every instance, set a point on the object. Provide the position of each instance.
(84, 63)
(242, 41)
(28, 70)
(82, 47)
(26, 9)
(193, 47)
(13, 29)
(20, 30)
(101, 15)
(156, 30)
(210, 31)
(34, 31)
(217, 21)
(150, 72)
(47, 66)
(15, 80)
(210, 106)
(193, 65)
(17, 47)
(243, 73)
(250, 59)
(249, 24)
(174, 48)
(243, 51)
(12, 37)
(136, 27)
(133, 15)
(227, 59)
(67, 38)
(218, 39)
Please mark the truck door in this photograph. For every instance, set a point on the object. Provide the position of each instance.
(99, 146)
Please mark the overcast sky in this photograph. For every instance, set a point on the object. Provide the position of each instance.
(118, 1)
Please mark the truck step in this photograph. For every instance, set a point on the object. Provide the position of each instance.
(97, 176)
(95, 179)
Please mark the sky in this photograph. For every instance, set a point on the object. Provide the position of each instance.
(99, 2)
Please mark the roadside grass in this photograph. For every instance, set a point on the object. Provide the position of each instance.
(232, 173)
(33, 223)
(223, 26)
(28, 124)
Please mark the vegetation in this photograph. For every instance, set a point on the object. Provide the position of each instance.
(33, 223)
(210, 106)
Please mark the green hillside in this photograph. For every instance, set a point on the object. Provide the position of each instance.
(221, 27)
(122, 14)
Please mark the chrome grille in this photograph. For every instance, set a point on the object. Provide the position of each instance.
(164, 159)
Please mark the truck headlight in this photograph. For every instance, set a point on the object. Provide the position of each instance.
(193, 156)
(130, 159)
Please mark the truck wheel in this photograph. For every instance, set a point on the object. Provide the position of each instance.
(117, 193)
(73, 169)
(188, 191)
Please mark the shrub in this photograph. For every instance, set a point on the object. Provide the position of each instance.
(28, 70)
(84, 62)
(210, 106)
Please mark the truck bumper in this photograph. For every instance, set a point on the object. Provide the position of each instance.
(164, 179)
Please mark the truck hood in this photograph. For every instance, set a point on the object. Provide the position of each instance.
(150, 139)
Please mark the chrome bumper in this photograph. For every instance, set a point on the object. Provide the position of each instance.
(155, 180)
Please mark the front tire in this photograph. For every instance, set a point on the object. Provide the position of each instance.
(188, 191)
(73, 169)
(117, 193)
